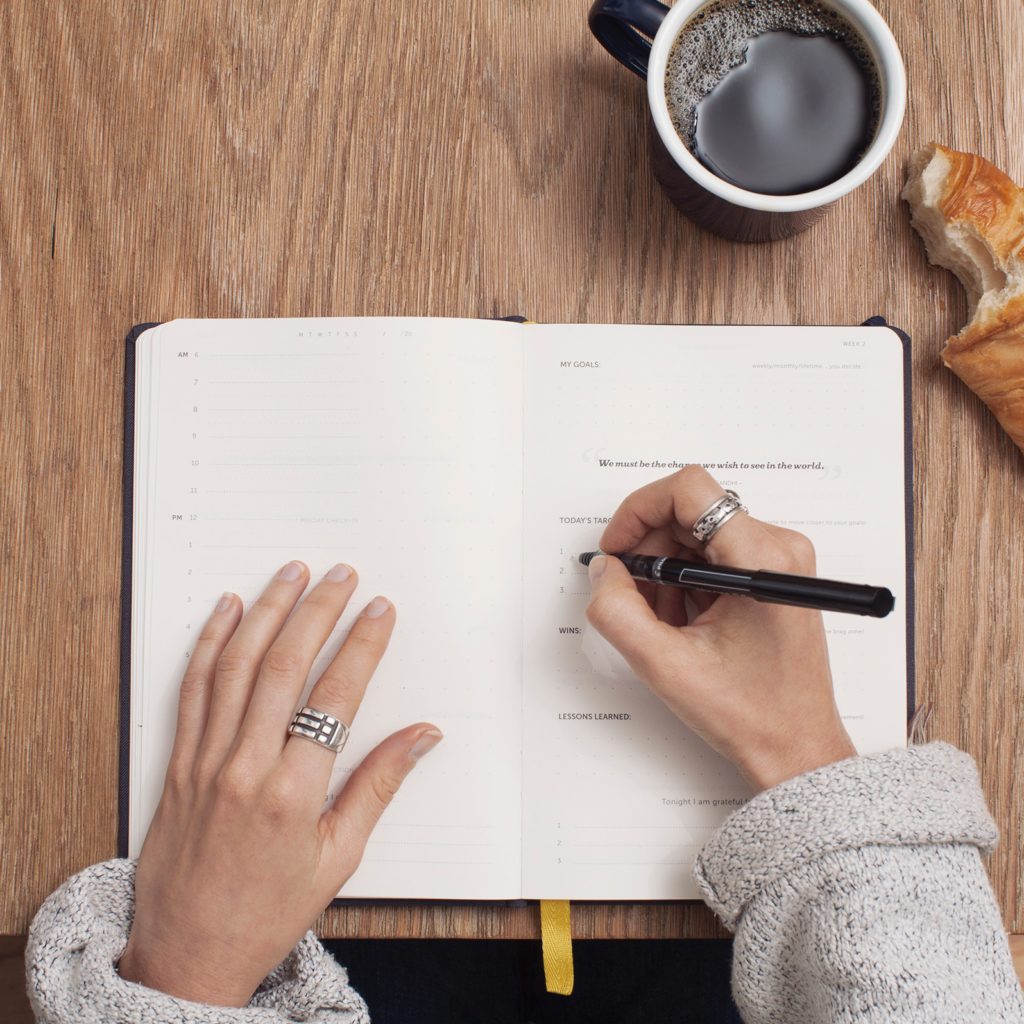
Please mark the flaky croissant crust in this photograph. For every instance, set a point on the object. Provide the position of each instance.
(971, 216)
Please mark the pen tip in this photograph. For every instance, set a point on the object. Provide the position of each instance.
(587, 557)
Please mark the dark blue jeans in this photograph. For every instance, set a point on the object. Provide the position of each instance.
(460, 981)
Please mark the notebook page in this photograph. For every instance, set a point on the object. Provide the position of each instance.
(807, 425)
(391, 444)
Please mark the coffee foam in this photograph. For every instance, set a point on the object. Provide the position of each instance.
(715, 40)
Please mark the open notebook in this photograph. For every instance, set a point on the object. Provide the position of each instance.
(460, 465)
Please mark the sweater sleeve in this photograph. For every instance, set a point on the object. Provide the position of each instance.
(857, 894)
(81, 930)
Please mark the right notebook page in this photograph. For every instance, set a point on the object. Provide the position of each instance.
(807, 424)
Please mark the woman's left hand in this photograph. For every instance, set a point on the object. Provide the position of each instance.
(239, 861)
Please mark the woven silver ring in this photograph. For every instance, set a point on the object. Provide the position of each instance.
(323, 729)
(716, 516)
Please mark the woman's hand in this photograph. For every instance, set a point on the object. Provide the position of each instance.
(751, 679)
(239, 861)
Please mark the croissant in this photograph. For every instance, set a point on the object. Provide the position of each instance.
(971, 217)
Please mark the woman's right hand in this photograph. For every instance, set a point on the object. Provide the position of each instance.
(751, 679)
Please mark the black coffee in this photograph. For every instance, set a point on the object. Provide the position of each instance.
(777, 97)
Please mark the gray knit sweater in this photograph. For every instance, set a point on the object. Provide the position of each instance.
(856, 893)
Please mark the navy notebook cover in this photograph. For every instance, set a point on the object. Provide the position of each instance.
(124, 760)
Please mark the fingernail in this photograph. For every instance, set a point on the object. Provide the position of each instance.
(377, 607)
(292, 571)
(596, 567)
(224, 603)
(339, 574)
(425, 743)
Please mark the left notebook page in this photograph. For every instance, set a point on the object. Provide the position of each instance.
(392, 444)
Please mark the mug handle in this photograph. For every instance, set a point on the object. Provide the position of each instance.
(617, 24)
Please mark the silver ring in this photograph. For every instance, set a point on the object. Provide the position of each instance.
(717, 515)
(323, 729)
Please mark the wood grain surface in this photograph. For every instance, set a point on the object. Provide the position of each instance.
(277, 158)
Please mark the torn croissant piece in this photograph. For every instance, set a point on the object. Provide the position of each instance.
(971, 217)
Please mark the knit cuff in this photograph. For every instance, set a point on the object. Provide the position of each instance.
(82, 929)
(918, 796)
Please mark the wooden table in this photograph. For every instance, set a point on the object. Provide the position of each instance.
(230, 159)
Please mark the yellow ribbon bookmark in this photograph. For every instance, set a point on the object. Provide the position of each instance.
(556, 945)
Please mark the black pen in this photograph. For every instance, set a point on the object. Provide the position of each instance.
(761, 585)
